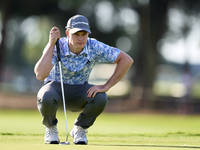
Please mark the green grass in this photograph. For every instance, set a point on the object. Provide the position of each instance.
(22, 130)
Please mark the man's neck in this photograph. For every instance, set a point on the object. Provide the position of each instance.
(74, 50)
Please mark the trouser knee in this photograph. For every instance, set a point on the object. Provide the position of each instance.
(102, 100)
(99, 103)
(47, 106)
(46, 103)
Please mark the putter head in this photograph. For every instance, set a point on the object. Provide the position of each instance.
(64, 143)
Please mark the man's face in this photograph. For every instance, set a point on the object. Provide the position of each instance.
(77, 40)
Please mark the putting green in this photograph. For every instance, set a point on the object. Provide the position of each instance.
(22, 129)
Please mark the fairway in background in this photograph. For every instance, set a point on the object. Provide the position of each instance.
(30, 121)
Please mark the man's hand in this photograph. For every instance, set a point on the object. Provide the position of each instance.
(96, 89)
(54, 35)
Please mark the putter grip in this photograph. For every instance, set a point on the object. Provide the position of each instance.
(58, 49)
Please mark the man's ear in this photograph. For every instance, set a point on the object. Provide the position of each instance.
(67, 33)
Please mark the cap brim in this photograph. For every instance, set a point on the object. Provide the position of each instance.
(74, 30)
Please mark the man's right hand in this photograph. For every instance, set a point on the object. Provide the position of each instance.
(54, 35)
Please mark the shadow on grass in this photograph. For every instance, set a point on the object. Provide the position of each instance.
(167, 146)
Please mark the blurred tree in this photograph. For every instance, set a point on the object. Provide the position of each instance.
(5, 14)
(152, 27)
(18, 8)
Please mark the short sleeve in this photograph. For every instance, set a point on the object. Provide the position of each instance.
(106, 53)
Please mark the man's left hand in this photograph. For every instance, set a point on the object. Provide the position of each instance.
(96, 89)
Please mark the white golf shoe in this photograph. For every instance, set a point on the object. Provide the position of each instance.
(51, 135)
(79, 135)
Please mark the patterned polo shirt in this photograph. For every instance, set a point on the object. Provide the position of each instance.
(76, 69)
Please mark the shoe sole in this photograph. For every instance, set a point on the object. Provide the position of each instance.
(81, 143)
(52, 142)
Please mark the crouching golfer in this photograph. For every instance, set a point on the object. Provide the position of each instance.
(79, 54)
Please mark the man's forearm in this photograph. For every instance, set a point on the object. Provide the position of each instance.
(44, 66)
(122, 67)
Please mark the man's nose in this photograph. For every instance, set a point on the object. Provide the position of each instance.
(80, 37)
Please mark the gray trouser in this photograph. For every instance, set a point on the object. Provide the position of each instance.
(50, 99)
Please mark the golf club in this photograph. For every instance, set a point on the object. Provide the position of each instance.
(63, 94)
